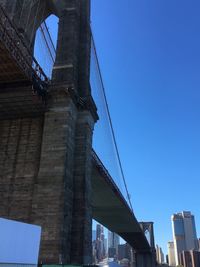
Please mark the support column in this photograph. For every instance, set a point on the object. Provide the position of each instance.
(144, 259)
(66, 63)
(81, 247)
(53, 194)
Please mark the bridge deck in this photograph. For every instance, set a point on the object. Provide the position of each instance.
(111, 209)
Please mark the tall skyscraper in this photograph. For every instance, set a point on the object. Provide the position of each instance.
(113, 240)
(190, 258)
(125, 252)
(159, 255)
(98, 231)
(100, 243)
(184, 233)
(171, 254)
(106, 246)
(94, 235)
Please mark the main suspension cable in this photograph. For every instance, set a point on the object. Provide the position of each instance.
(110, 122)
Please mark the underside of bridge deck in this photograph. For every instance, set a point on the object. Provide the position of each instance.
(111, 209)
(9, 70)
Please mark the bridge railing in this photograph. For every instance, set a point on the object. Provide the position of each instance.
(98, 163)
(18, 49)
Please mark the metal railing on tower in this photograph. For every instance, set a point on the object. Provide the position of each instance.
(14, 49)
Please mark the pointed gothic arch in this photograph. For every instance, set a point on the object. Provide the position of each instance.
(148, 230)
(72, 64)
(45, 44)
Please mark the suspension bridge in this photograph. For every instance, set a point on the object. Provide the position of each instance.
(50, 175)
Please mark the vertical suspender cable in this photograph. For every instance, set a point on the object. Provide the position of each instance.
(49, 37)
(110, 121)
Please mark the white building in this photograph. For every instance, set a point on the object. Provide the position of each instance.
(159, 255)
(171, 254)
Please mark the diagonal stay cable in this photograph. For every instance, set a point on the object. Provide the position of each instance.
(49, 36)
(110, 122)
(45, 31)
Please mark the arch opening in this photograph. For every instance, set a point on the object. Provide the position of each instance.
(45, 44)
(148, 236)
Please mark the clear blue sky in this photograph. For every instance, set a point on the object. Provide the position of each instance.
(149, 52)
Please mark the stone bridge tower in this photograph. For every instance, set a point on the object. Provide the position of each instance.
(45, 162)
(147, 258)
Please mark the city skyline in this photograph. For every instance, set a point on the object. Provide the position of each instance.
(110, 249)
(170, 244)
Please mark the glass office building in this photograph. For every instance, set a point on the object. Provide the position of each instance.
(184, 233)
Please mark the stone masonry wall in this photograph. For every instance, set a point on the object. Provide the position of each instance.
(53, 194)
(81, 249)
(20, 144)
(45, 162)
